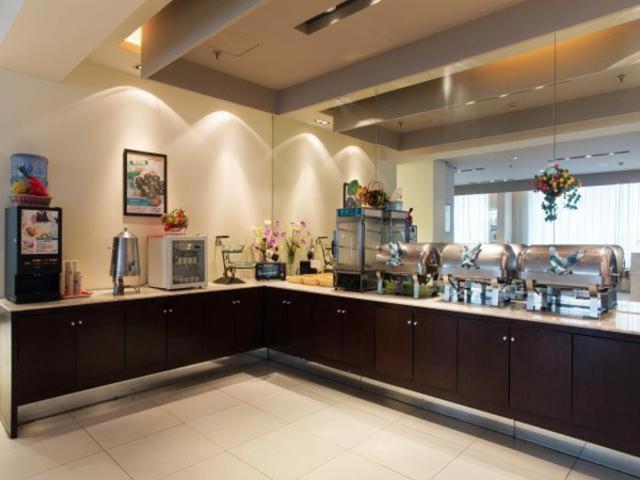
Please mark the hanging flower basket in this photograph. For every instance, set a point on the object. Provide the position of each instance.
(555, 182)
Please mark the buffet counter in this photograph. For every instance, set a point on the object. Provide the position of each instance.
(625, 318)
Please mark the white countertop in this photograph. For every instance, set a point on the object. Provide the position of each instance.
(624, 319)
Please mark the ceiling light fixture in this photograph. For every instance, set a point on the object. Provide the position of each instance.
(334, 14)
(135, 38)
(504, 95)
(321, 121)
(514, 158)
(539, 87)
(470, 102)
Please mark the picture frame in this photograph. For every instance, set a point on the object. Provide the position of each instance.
(144, 191)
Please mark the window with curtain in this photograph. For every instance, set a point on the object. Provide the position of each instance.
(608, 214)
(471, 220)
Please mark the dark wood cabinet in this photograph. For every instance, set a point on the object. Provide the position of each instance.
(46, 355)
(298, 323)
(145, 334)
(483, 362)
(219, 324)
(606, 389)
(435, 351)
(327, 329)
(393, 342)
(100, 342)
(540, 372)
(357, 334)
(248, 319)
(184, 327)
(276, 319)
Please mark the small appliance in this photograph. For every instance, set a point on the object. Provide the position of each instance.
(125, 262)
(271, 271)
(33, 254)
(177, 261)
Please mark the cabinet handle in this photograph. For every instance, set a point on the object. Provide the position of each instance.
(171, 310)
(338, 311)
(164, 311)
(237, 302)
(415, 323)
(79, 322)
(504, 339)
(513, 339)
(284, 302)
(73, 324)
(344, 312)
(289, 302)
(409, 322)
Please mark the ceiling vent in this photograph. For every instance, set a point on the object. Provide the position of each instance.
(334, 14)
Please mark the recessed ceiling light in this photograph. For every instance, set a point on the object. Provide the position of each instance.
(504, 95)
(611, 153)
(135, 38)
(539, 87)
(320, 121)
(470, 102)
(330, 9)
(588, 156)
(514, 158)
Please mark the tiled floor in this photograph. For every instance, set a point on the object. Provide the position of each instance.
(261, 421)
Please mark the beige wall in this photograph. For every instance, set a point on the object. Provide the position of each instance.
(310, 166)
(219, 156)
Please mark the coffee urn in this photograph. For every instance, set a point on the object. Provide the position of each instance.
(125, 262)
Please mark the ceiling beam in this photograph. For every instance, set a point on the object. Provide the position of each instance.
(520, 22)
(183, 25)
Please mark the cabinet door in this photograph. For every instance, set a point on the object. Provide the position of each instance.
(606, 389)
(145, 334)
(435, 350)
(46, 355)
(299, 323)
(483, 361)
(357, 334)
(276, 317)
(394, 342)
(185, 331)
(327, 329)
(249, 319)
(101, 342)
(540, 372)
(219, 324)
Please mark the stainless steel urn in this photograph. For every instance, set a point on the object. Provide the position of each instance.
(125, 261)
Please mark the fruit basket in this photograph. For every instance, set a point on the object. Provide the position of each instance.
(26, 200)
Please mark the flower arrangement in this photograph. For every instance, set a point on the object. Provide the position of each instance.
(267, 240)
(372, 195)
(296, 236)
(175, 221)
(555, 182)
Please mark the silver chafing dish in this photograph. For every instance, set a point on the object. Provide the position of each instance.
(400, 262)
(480, 274)
(572, 279)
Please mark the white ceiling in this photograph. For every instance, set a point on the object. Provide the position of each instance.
(279, 56)
(524, 163)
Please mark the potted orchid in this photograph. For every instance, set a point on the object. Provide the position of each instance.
(296, 236)
(267, 238)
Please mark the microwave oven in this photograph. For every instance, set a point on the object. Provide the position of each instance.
(176, 261)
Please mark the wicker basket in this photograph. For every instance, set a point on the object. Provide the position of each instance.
(25, 200)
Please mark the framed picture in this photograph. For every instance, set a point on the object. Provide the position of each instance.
(145, 183)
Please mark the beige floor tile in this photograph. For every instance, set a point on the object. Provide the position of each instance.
(349, 466)
(380, 406)
(112, 406)
(412, 453)
(343, 425)
(198, 405)
(43, 445)
(291, 405)
(495, 447)
(254, 388)
(96, 467)
(287, 453)
(331, 390)
(221, 467)
(474, 465)
(446, 428)
(123, 425)
(590, 471)
(163, 453)
(236, 425)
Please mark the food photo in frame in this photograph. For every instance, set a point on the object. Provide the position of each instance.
(145, 183)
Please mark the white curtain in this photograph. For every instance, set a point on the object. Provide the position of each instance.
(608, 214)
(471, 218)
